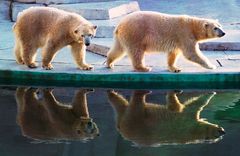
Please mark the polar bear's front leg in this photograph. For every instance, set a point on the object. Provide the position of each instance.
(173, 102)
(172, 58)
(80, 104)
(78, 52)
(48, 53)
(194, 54)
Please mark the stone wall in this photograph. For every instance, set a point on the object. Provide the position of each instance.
(10, 8)
(26, 1)
(103, 13)
(60, 1)
(5, 10)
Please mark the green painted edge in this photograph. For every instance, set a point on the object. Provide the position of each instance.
(123, 80)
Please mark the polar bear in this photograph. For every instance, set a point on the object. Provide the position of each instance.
(145, 31)
(51, 29)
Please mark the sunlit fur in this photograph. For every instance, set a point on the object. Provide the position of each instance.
(149, 124)
(50, 29)
(41, 117)
(142, 32)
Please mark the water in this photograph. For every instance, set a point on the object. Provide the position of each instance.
(120, 122)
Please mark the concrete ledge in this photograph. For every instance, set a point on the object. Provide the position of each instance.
(100, 46)
(26, 1)
(123, 9)
(90, 11)
(98, 49)
(66, 74)
(123, 80)
(221, 46)
(68, 1)
(100, 10)
(5, 10)
(18, 7)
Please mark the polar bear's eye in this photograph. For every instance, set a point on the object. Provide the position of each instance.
(76, 31)
(215, 28)
(90, 35)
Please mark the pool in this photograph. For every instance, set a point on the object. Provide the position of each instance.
(118, 122)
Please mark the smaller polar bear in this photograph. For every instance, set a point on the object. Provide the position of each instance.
(148, 124)
(51, 29)
(144, 31)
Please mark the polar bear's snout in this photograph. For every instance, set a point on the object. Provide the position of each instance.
(87, 40)
(220, 32)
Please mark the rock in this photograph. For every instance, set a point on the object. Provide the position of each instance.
(101, 10)
(68, 1)
(5, 10)
(26, 1)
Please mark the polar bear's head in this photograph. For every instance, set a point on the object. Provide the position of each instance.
(204, 29)
(85, 128)
(84, 33)
(213, 29)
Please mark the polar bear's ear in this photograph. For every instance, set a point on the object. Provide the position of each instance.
(206, 25)
(76, 30)
(94, 27)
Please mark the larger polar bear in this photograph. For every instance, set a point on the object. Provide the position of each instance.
(144, 31)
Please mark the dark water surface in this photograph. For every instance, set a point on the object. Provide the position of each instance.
(120, 122)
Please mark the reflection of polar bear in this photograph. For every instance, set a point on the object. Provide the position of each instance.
(48, 119)
(148, 124)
